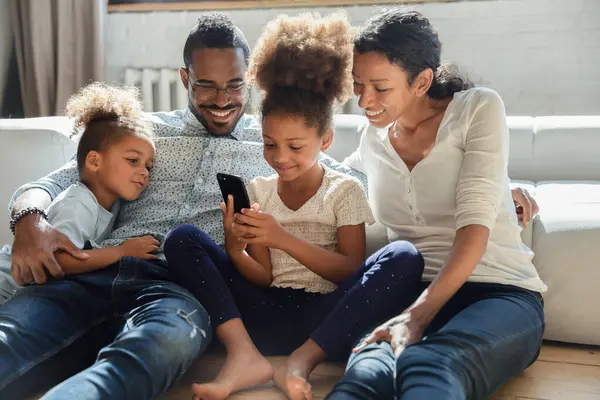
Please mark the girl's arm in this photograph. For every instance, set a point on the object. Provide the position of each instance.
(333, 266)
(254, 264)
(351, 211)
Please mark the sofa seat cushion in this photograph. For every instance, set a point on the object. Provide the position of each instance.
(566, 239)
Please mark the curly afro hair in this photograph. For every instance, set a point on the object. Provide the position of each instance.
(303, 66)
(103, 115)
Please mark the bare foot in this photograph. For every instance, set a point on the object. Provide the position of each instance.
(293, 381)
(241, 370)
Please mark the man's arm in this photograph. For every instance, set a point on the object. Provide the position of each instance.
(35, 239)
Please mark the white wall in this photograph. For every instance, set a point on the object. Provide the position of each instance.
(542, 56)
(6, 36)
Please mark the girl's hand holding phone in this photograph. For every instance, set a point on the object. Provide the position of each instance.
(253, 226)
(232, 244)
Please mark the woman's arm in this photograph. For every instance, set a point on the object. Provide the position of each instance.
(468, 248)
(481, 180)
(478, 198)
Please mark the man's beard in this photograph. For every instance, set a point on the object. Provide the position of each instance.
(203, 120)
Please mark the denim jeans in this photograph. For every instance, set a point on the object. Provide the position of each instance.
(160, 330)
(279, 320)
(484, 336)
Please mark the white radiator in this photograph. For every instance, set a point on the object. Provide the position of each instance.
(162, 90)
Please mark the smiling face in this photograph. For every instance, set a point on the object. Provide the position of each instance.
(382, 88)
(290, 147)
(217, 90)
(122, 169)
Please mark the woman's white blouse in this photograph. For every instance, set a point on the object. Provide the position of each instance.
(462, 181)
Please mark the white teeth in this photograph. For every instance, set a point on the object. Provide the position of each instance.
(220, 113)
(374, 113)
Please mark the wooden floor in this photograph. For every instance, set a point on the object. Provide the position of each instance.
(561, 373)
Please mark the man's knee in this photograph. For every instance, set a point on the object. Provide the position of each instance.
(172, 336)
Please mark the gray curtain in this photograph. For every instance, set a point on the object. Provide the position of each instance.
(60, 48)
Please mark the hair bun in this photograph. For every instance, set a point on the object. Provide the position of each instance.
(305, 52)
(99, 101)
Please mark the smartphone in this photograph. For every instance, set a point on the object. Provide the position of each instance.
(234, 185)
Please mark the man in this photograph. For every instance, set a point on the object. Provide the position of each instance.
(160, 328)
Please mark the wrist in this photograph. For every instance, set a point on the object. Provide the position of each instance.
(424, 309)
(285, 241)
(25, 218)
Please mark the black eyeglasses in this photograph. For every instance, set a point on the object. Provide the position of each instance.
(232, 91)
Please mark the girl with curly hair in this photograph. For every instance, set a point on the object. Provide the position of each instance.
(114, 155)
(293, 271)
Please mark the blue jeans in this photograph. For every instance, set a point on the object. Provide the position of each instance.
(280, 319)
(484, 336)
(159, 329)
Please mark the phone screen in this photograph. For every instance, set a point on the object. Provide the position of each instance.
(234, 186)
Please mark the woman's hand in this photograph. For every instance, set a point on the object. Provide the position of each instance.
(527, 207)
(399, 331)
(233, 244)
(256, 227)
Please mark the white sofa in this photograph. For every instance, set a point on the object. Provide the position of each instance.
(555, 158)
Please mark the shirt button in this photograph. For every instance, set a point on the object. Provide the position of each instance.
(409, 190)
(410, 207)
(200, 181)
(419, 219)
(207, 153)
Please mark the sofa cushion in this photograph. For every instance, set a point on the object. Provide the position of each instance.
(566, 239)
(35, 146)
(566, 148)
(521, 147)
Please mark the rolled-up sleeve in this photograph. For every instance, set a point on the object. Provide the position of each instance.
(53, 183)
(483, 170)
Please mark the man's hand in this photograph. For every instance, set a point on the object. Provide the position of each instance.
(33, 250)
(527, 207)
(140, 247)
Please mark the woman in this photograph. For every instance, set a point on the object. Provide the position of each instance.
(436, 160)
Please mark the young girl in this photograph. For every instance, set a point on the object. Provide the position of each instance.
(294, 268)
(114, 155)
